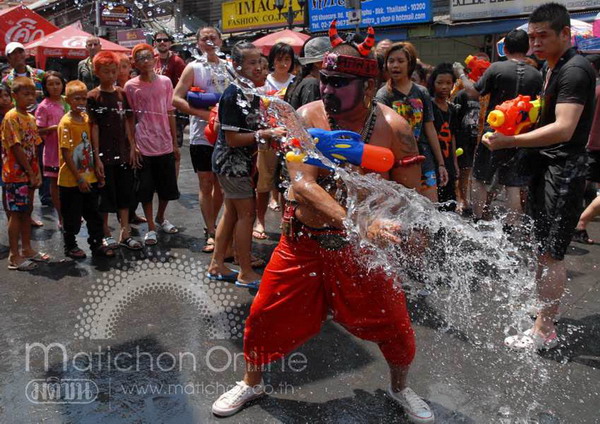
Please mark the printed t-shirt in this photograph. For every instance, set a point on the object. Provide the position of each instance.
(109, 110)
(19, 128)
(444, 123)
(152, 105)
(272, 85)
(236, 161)
(76, 136)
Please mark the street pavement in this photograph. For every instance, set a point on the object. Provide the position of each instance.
(146, 338)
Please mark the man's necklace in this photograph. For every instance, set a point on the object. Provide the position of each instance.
(367, 130)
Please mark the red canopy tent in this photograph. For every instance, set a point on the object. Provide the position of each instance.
(22, 25)
(293, 38)
(67, 43)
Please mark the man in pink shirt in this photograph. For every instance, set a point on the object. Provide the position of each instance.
(150, 97)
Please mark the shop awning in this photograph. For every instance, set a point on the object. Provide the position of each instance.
(68, 43)
(22, 25)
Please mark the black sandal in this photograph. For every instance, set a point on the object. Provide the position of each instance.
(104, 251)
(582, 236)
(76, 253)
(209, 244)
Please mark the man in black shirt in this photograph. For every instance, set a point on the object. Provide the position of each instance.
(556, 190)
(502, 81)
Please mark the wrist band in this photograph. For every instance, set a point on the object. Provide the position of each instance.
(441, 166)
(80, 180)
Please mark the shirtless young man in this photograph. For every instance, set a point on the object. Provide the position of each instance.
(314, 269)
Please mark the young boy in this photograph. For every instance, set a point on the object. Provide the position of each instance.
(151, 98)
(21, 174)
(114, 147)
(77, 180)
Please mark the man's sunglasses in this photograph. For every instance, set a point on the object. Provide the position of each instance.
(162, 40)
(335, 81)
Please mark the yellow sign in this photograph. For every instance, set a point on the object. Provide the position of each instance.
(247, 15)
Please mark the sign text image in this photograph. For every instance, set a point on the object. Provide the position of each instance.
(481, 9)
(374, 13)
(246, 15)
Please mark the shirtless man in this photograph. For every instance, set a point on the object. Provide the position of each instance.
(314, 269)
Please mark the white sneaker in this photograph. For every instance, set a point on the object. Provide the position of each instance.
(232, 401)
(415, 408)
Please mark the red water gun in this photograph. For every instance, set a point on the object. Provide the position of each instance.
(209, 130)
(514, 116)
(477, 67)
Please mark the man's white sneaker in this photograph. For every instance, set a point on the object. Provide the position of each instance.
(415, 408)
(232, 401)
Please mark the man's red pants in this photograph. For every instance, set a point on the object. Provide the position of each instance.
(303, 282)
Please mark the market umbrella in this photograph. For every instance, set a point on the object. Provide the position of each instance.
(579, 31)
(293, 38)
(22, 25)
(68, 43)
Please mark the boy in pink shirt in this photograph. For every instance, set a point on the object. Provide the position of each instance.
(150, 97)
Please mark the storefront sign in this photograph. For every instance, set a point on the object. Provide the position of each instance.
(373, 12)
(246, 15)
(461, 10)
(131, 37)
(115, 16)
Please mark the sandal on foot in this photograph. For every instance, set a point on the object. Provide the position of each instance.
(167, 227)
(136, 219)
(36, 223)
(39, 257)
(150, 238)
(76, 253)
(531, 341)
(251, 285)
(259, 235)
(232, 276)
(209, 244)
(110, 242)
(582, 236)
(104, 251)
(131, 244)
(26, 265)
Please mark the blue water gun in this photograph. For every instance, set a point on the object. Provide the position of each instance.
(200, 99)
(344, 146)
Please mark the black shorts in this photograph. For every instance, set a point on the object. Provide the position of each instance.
(556, 201)
(466, 159)
(507, 167)
(118, 191)
(593, 170)
(158, 174)
(201, 155)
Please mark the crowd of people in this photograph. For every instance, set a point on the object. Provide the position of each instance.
(108, 141)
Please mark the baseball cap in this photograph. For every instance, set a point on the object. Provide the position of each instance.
(12, 46)
(314, 50)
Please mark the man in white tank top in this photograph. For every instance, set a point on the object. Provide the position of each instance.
(209, 73)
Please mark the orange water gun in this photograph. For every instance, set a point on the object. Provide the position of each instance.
(514, 116)
(477, 67)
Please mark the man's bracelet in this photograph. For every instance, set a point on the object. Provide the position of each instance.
(441, 166)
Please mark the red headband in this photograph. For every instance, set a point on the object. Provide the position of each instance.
(358, 66)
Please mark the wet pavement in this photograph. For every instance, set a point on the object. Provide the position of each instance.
(146, 338)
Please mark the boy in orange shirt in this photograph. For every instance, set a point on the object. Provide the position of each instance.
(21, 174)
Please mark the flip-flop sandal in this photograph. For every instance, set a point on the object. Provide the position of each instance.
(150, 238)
(36, 224)
(582, 236)
(76, 253)
(259, 235)
(40, 257)
(137, 220)
(275, 207)
(131, 244)
(251, 285)
(110, 242)
(530, 341)
(209, 244)
(232, 276)
(167, 227)
(26, 265)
